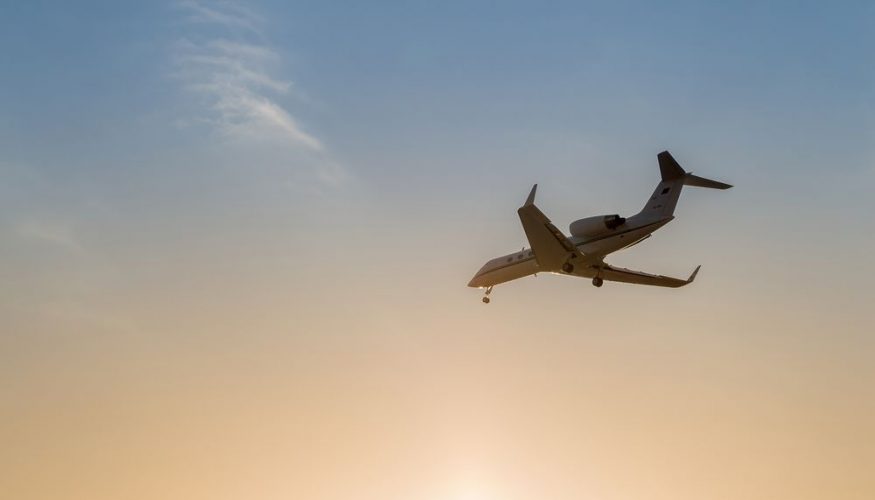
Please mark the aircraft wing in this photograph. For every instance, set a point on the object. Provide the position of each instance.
(552, 249)
(611, 273)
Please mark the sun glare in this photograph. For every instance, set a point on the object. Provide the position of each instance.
(471, 493)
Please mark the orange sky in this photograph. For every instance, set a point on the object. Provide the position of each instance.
(553, 390)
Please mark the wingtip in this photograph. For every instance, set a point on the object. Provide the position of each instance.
(531, 199)
(695, 272)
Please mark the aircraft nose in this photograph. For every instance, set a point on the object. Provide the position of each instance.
(477, 280)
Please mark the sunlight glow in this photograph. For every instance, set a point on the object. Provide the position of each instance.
(471, 492)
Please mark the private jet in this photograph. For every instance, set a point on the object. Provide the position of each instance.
(583, 253)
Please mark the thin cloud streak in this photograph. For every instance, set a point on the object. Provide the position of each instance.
(233, 75)
(54, 234)
(223, 13)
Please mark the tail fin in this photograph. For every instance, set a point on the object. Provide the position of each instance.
(665, 197)
(671, 170)
(669, 167)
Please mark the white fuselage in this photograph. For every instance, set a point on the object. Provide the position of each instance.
(523, 263)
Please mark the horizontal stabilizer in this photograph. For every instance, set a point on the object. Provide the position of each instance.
(695, 180)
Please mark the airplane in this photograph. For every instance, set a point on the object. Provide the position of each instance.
(582, 254)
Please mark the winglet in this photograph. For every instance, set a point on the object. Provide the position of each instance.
(693, 276)
(531, 199)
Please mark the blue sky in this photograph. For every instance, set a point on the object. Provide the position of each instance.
(248, 226)
(450, 77)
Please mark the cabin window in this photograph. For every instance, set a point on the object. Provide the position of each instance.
(510, 259)
(666, 190)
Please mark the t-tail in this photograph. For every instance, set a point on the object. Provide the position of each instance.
(665, 197)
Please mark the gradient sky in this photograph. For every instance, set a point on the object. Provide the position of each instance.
(235, 238)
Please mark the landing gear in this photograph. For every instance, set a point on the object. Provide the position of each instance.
(597, 282)
(486, 298)
(568, 267)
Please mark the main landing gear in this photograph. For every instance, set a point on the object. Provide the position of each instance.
(568, 267)
(486, 297)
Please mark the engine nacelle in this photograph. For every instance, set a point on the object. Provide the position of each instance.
(595, 226)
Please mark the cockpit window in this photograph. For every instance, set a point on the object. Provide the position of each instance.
(666, 190)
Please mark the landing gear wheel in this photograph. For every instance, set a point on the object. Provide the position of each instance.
(568, 267)
(597, 282)
(485, 300)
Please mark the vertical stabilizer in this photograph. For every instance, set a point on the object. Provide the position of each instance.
(669, 167)
(665, 197)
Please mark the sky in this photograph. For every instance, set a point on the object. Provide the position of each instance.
(235, 239)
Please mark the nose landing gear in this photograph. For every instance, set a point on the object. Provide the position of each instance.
(486, 297)
(597, 280)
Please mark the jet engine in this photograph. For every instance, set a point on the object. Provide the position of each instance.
(595, 226)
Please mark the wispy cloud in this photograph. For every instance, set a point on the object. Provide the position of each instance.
(234, 75)
(50, 232)
(225, 13)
